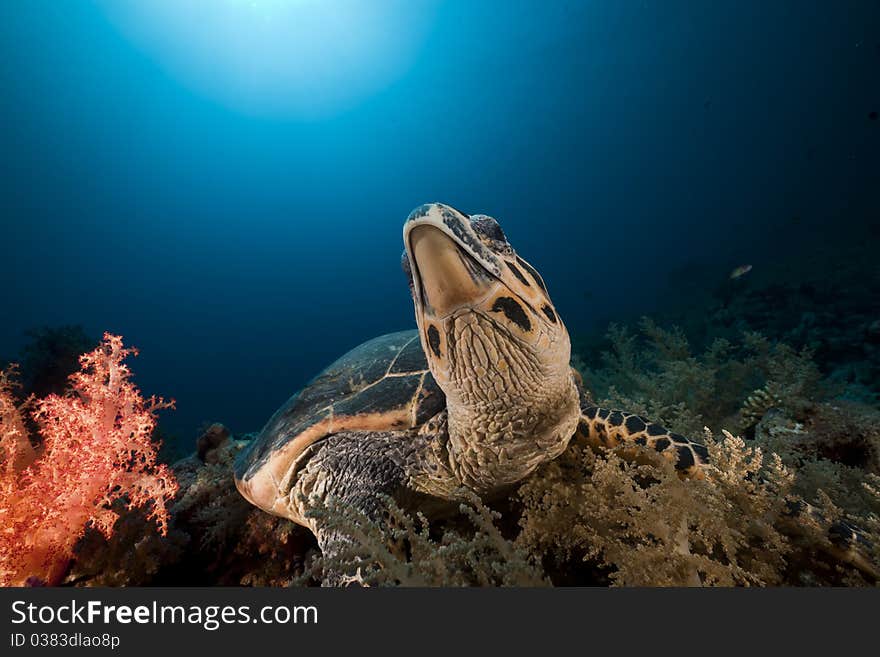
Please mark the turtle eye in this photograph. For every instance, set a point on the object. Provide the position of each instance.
(488, 227)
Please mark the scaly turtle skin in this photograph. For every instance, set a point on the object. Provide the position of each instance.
(477, 398)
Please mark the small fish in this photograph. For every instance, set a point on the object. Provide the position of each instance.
(742, 270)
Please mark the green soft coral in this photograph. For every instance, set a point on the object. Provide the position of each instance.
(642, 525)
(405, 550)
(656, 372)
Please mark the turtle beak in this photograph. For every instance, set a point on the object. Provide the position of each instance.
(448, 272)
(448, 277)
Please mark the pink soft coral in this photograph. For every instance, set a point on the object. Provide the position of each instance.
(96, 449)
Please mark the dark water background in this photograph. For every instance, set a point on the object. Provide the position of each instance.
(242, 247)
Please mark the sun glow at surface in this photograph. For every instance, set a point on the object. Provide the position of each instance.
(307, 58)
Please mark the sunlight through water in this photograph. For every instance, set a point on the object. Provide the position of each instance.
(298, 58)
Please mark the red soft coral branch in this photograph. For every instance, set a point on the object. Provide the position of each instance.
(16, 451)
(97, 449)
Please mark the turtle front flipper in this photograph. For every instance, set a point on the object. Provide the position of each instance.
(355, 471)
(602, 427)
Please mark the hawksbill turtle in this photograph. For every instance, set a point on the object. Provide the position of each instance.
(479, 396)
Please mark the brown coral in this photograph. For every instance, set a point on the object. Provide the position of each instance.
(640, 524)
(406, 550)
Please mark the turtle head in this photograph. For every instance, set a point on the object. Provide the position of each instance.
(482, 310)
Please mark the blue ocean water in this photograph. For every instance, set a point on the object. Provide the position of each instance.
(224, 183)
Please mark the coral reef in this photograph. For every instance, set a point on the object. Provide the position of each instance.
(16, 450)
(135, 554)
(758, 403)
(96, 451)
(404, 551)
(833, 447)
(830, 310)
(728, 385)
(592, 518)
(601, 519)
(777, 508)
(215, 537)
(828, 443)
(796, 501)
